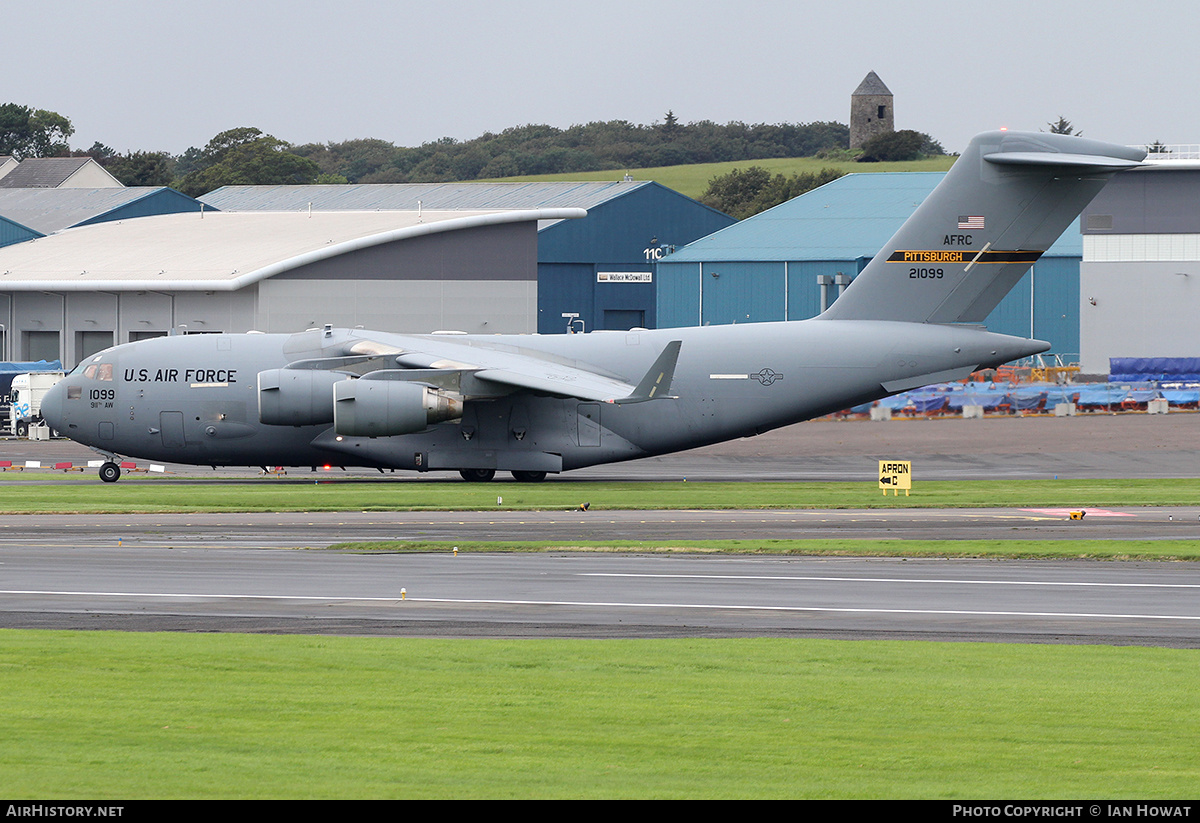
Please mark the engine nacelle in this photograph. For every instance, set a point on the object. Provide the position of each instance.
(382, 408)
(296, 397)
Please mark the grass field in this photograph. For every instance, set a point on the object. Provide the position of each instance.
(110, 715)
(562, 494)
(693, 180)
(106, 715)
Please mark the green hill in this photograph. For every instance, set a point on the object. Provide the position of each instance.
(692, 180)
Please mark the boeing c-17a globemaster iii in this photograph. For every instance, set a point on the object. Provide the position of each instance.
(538, 404)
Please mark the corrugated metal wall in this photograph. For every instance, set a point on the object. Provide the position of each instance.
(615, 237)
(759, 292)
(1044, 305)
(745, 292)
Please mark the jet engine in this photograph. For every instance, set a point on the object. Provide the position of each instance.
(296, 397)
(381, 408)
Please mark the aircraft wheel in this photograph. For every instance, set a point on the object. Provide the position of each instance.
(529, 477)
(477, 475)
(110, 472)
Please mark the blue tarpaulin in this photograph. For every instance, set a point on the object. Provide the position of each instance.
(1138, 369)
(987, 399)
(951, 397)
(1101, 396)
(1182, 397)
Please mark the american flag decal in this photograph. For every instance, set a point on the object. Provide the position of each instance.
(970, 222)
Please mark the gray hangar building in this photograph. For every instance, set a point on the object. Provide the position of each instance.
(790, 261)
(599, 269)
(274, 264)
(1140, 275)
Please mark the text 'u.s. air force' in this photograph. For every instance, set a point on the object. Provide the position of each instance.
(180, 375)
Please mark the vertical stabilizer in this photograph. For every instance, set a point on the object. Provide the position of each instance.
(1006, 200)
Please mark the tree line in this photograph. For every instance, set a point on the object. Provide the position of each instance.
(248, 156)
(543, 149)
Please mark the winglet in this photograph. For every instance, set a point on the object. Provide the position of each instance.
(657, 382)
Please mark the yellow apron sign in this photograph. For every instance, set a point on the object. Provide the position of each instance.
(895, 475)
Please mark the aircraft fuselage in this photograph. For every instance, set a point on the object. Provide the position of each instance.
(195, 399)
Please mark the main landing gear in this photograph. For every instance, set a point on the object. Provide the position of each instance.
(484, 475)
(477, 475)
(529, 477)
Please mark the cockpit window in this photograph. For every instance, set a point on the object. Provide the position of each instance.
(90, 372)
(105, 372)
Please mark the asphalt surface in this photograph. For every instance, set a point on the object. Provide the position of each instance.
(1084, 446)
(242, 572)
(135, 586)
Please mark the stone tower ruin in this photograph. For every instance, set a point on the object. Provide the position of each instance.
(870, 111)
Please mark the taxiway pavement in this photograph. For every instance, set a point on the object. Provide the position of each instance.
(242, 572)
(1084, 446)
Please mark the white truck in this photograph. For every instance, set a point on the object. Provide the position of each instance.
(27, 393)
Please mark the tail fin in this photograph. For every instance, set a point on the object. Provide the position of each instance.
(1006, 200)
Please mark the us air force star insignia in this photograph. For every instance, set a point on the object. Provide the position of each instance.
(766, 376)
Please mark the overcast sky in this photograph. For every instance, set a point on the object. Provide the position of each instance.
(149, 75)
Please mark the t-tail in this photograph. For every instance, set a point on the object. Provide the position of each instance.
(1006, 200)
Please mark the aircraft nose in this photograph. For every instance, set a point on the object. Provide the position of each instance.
(52, 404)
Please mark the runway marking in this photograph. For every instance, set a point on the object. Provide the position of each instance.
(1090, 512)
(1017, 517)
(203, 596)
(895, 580)
(615, 604)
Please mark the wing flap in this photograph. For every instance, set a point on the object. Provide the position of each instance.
(561, 381)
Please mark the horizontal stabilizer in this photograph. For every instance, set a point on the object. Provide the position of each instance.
(1075, 162)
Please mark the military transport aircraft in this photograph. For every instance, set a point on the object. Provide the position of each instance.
(538, 404)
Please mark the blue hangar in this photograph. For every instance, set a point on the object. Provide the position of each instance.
(783, 263)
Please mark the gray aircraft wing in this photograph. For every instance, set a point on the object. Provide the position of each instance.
(480, 372)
